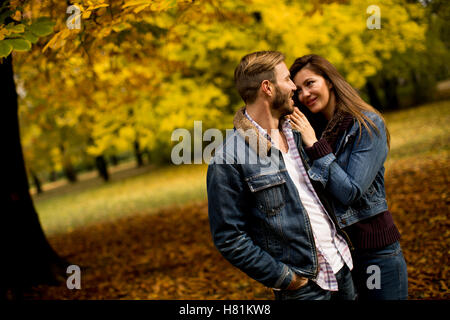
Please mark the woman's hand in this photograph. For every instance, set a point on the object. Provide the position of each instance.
(300, 123)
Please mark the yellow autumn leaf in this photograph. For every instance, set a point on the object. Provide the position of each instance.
(140, 8)
(86, 14)
(135, 3)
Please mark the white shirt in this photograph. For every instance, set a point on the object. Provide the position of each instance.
(320, 222)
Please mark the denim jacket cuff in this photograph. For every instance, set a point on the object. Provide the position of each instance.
(319, 171)
(285, 279)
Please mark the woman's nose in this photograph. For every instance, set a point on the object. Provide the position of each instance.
(305, 93)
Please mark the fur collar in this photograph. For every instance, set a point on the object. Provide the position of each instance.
(250, 133)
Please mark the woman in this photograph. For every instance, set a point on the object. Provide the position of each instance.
(348, 160)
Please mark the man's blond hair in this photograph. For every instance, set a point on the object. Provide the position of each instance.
(253, 69)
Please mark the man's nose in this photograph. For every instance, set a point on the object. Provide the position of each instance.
(293, 86)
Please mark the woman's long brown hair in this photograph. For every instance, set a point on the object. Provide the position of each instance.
(347, 99)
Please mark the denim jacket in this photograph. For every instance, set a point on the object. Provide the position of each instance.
(354, 175)
(257, 221)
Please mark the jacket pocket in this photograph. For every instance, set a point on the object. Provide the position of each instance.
(268, 191)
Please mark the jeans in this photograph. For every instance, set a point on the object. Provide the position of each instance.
(380, 274)
(311, 291)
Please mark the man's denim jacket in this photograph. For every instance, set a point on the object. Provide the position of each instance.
(257, 221)
(353, 177)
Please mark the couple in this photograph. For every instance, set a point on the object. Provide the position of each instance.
(314, 226)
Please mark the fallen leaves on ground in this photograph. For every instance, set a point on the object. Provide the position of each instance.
(170, 255)
(419, 197)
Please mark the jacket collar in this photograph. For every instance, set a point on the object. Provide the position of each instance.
(250, 133)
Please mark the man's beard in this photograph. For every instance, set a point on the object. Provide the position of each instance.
(281, 102)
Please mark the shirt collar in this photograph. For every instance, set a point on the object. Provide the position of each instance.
(286, 126)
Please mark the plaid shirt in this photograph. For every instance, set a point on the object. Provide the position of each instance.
(325, 277)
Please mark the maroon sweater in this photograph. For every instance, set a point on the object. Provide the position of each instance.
(375, 232)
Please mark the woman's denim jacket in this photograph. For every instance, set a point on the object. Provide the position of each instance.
(353, 177)
(257, 221)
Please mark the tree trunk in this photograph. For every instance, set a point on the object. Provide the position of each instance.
(390, 90)
(148, 156)
(374, 99)
(27, 257)
(102, 167)
(36, 182)
(52, 176)
(138, 153)
(114, 160)
(423, 87)
(69, 171)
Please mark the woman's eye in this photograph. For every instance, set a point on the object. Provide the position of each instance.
(309, 83)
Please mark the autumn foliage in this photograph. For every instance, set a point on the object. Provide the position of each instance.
(138, 69)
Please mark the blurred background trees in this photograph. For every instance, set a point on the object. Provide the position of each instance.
(136, 70)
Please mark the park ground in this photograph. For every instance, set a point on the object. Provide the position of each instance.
(145, 234)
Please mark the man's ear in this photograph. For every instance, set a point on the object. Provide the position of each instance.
(266, 87)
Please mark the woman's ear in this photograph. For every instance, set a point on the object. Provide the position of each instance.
(329, 84)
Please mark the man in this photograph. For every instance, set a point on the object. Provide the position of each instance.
(266, 216)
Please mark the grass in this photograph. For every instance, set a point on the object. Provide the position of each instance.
(143, 194)
(421, 132)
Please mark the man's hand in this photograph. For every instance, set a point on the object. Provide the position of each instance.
(297, 282)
